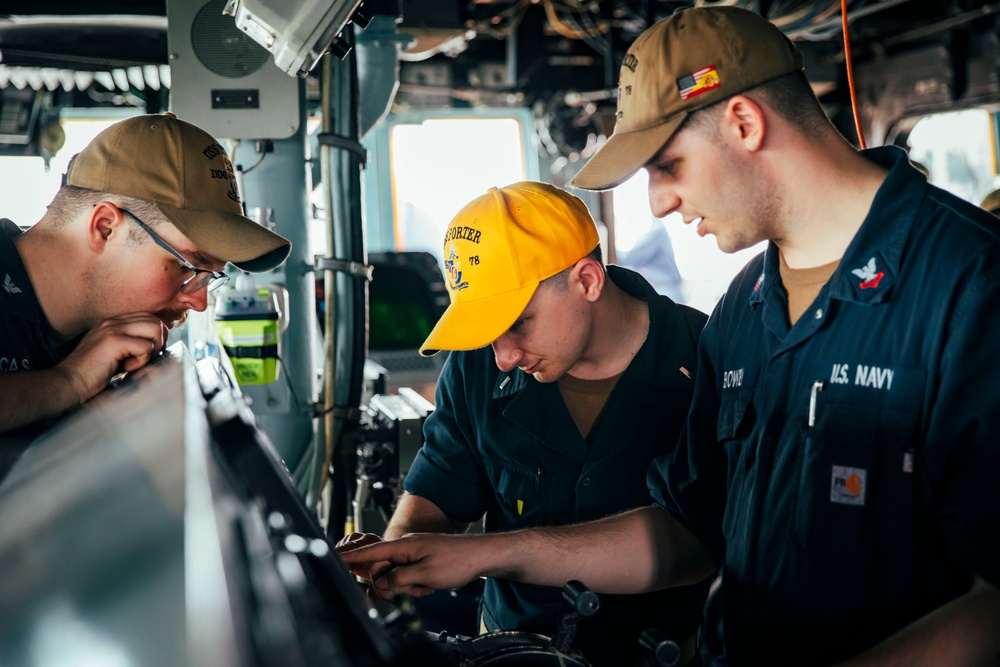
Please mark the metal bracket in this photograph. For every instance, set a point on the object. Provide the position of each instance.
(356, 269)
(346, 143)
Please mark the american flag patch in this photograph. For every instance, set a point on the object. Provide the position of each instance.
(698, 82)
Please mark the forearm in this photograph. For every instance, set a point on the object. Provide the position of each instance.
(29, 396)
(962, 633)
(415, 514)
(635, 552)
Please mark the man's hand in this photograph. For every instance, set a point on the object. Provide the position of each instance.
(637, 551)
(417, 564)
(364, 574)
(117, 344)
(355, 540)
(123, 343)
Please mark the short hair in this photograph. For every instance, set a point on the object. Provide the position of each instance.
(70, 200)
(790, 96)
(561, 279)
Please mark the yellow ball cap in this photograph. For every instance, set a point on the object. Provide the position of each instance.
(496, 251)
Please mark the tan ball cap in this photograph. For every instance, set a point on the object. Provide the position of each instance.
(186, 174)
(688, 61)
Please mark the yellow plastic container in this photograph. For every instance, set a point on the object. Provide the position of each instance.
(247, 322)
(252, 346)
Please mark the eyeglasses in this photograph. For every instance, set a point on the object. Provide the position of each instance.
(199, 277)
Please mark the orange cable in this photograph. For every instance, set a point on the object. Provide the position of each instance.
(850, 74)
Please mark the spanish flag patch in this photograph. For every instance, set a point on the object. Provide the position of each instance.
(698, 82)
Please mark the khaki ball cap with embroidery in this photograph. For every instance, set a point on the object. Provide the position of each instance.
(688, 61)
(186, 174)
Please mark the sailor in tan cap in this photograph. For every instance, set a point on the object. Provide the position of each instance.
(138, 235)
(840, 461)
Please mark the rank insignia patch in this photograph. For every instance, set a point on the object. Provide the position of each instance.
(870, 276)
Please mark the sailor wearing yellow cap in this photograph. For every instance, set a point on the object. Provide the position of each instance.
(567, 379)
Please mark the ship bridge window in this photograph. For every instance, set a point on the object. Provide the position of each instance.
(958, 149)
(26, 188)
(437, 163)
(423, 167)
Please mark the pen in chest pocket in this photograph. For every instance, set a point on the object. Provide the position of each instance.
(814, 393)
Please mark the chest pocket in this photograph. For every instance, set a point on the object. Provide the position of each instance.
(523, 497)
(856, 489)
(735, 425)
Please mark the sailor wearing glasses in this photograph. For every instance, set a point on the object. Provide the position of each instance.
(138, 235)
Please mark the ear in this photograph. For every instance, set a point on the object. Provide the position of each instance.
(745, 121)
(589, 275)
(105, 221)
